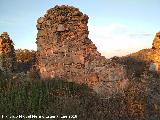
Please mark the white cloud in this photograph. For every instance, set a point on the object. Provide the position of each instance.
(29, 47)
(119, 39)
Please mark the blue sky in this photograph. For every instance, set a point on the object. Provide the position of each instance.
(117, 27)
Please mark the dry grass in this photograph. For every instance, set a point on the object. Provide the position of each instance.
(141, 101)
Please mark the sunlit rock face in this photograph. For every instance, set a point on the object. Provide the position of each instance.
(7, 54)
(65, 51)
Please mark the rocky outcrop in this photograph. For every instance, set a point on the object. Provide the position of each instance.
(65, 51)
(7, 54)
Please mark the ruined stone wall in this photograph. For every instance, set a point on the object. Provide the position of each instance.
(7, 53)
(64, 49)
(155, 55)
(156, 41)
(151, 55)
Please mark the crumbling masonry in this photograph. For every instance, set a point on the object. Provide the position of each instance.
(65, 51)
(7, 54)
(156, 41)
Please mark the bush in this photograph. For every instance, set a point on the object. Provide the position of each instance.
(25, 59)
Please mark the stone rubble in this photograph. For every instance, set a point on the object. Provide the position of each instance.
(65, 51)
(7, 54)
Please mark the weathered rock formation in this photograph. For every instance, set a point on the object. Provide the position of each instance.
(7, 54)
(65, 51)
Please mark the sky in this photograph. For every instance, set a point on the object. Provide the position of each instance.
(116, 27)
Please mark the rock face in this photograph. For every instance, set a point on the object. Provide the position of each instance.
(156, 41)
(7, 54)
(65, 51)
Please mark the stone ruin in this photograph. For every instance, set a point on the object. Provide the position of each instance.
(150, 56)
(7, 54)
(155, 65)
(156, 41)
(65, 51)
